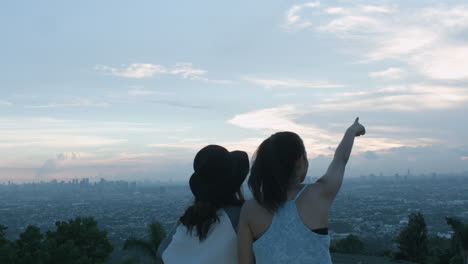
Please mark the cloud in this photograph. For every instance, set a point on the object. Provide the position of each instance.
(389, 74)
(139, 90)
(186, 71)
(321, 138)
(290, 83)
(44, 132)
(178, 104)
(283, 118)
(446, 63)
(275, 119)
(294, 21)
(428, 39)
(55, 165)
(413, 97)
(351, 25)
(398, 41)
(318, 140)
(376, 9)
(2, 102)
(47, 168)
(56, 140)
(134, 70)
(77, 103)
(144, 70)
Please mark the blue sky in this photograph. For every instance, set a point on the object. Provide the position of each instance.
(132, 89)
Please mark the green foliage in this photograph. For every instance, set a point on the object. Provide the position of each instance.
(149, 247)
(456, 260)
(460, 238)
(412, 240)
(440, 250)
(350, 244)
(7, 250)
(29, 246)
(3, 239)
(77, 241)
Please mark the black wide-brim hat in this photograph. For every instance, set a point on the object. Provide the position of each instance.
(218, 173)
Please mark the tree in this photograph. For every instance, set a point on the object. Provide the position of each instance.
(7, 250)
(460, 237)
(77, 241)
(412, 240)
(440, 250)
(3, 229)
(29, 246)
(149, 247)
(350, 244)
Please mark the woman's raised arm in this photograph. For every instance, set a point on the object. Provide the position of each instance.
(330, 183)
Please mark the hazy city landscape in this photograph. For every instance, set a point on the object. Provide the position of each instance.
(375, 208)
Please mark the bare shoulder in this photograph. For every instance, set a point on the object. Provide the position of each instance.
(254, 212)
(251, 207)
(256, 217)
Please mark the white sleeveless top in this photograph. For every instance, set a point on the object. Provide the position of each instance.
(220, 245)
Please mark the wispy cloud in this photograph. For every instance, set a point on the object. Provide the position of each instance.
(283, 118)
(144, 70)
(134, 70)
(77, 103)
(140, 90)
(186, 71)
(44, 132)
(53, 140)
(414, 97)
(449, 62)
(428, 39)
(392, 73)
(290, 83)
(319, 141)
(2, 102)
(180, 104)
(294, 21)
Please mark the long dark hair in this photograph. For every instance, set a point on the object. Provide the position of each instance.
(273, 168)
(201, 215)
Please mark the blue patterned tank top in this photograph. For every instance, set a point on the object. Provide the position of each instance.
(288, 240)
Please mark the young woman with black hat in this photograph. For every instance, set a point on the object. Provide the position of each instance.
(206, 232)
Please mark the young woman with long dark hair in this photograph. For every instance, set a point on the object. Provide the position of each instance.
(206, 232)
(287, 221)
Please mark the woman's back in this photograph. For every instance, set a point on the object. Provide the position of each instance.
(286, 236)
(218, 247)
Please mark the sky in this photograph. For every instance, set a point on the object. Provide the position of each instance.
(133, 89)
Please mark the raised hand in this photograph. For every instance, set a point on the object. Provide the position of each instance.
(357, 129)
